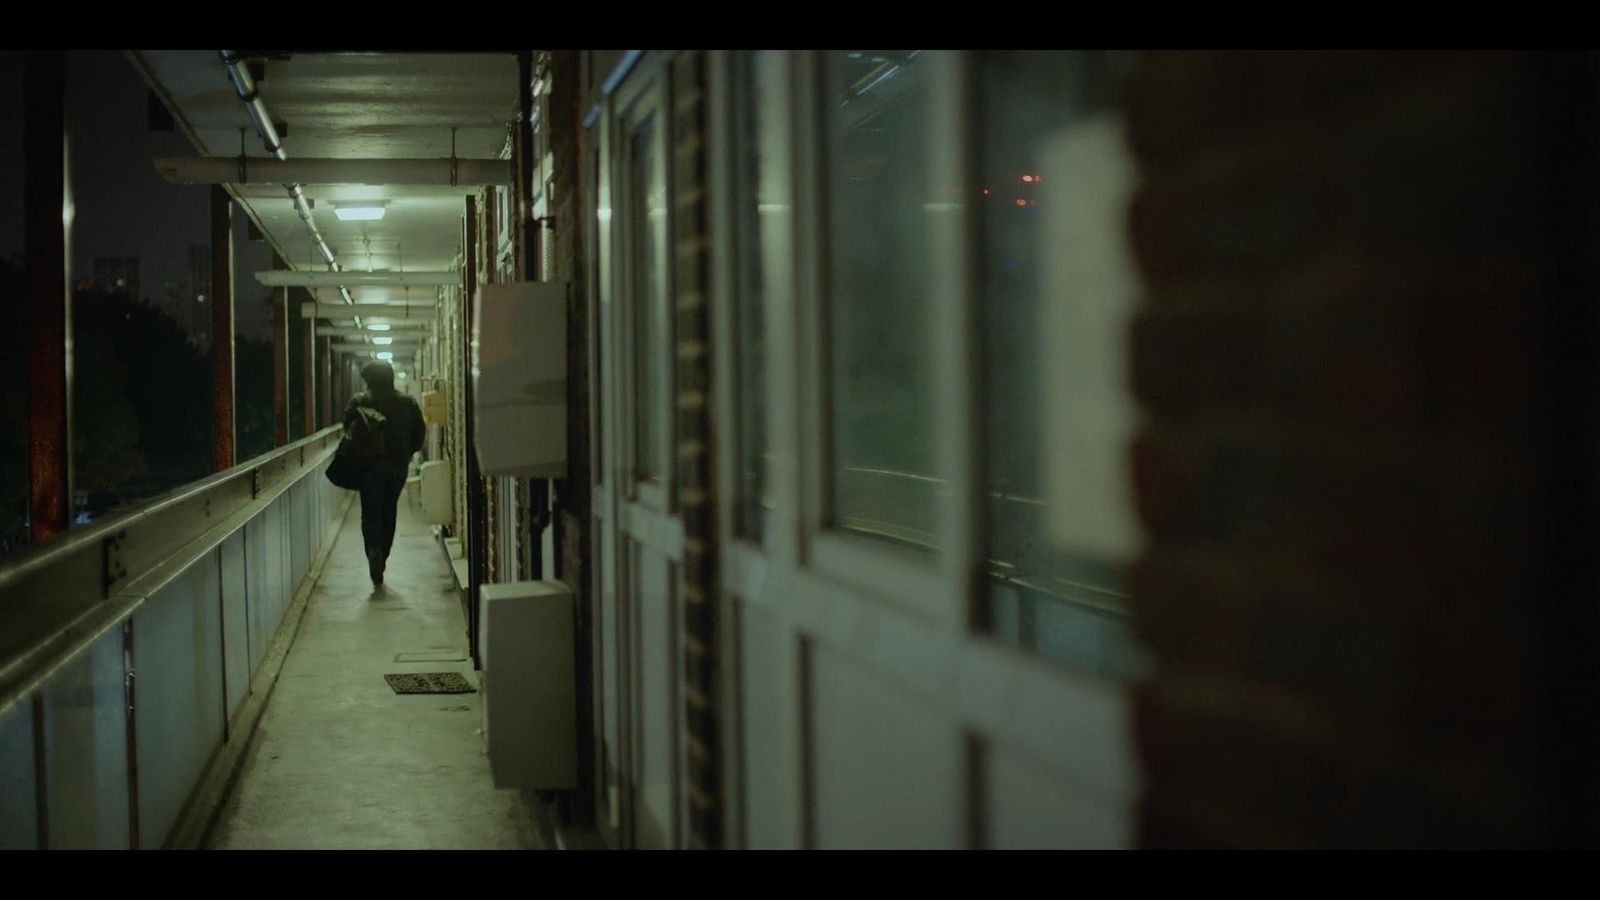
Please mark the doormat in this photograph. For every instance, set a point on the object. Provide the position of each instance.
(430, 683)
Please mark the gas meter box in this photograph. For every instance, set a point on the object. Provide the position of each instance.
(519, 379)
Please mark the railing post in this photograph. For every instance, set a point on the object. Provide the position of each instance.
(325, 377)
(47, 204)
(308, 367)
(222, 327)
(475, 527)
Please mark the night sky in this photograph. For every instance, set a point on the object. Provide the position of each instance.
(122, 207)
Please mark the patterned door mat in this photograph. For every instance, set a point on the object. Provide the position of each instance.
(430, 683)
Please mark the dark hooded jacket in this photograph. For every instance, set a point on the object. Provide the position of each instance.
(404, 430)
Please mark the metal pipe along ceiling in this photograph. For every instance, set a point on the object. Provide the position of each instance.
(281, 278)
(399, 337)
(245, 86)
(417, 311)
(432, 172)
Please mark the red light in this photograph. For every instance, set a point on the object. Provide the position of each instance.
(1028, 179)
(1021, 202)
(986, 192)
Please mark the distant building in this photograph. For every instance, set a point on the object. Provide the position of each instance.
(117, 273)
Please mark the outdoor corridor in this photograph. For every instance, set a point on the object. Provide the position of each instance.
(341, 761)
(805, 449)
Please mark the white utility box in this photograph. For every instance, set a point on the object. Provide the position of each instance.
(529, 693)
(519, 379)
(436, 488)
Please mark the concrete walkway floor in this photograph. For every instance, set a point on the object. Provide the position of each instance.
(340, 761)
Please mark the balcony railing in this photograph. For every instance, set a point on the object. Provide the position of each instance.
(130, 648)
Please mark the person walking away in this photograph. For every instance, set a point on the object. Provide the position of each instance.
(381, 485)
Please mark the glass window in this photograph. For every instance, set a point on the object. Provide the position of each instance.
(761, 228)
(595, 388)
(876, 122)
(141, 297)
(1065, 607)
(647, 223)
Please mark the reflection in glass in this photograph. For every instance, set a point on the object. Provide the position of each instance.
(876, 123)
(86, 750)
(647, 192)
(596, 391)
(1065, 608)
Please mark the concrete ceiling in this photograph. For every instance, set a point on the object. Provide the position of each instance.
(353, 106)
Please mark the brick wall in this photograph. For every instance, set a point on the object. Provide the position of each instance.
(694, 452)
(1354, 466)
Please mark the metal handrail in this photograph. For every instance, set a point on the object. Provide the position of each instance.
(23, 669)
(33, 559)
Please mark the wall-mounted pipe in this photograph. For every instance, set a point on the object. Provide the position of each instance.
(284, 278)
(397, 337)
(240, 170)
(403, 353)
(244, 85)
(421, 311)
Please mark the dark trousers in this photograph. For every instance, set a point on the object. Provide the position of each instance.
(380, 499)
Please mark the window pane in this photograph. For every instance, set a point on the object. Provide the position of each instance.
(596, 387)
(1064, 607)
(876, 119)
(141, 299)
(762, 229)
(647, 255)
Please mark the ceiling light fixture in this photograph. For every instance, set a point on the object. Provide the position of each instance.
(386, 355)
(383, 341)
(361, 211)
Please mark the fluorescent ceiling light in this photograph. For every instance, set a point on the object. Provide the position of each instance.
(386, 355)
(378, 326)
(383, 341)
(364, 211)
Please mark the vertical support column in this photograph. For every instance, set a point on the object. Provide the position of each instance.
(325, 367)
(280, 362)
(571, 535)
(532, 246)
(352, 378)
(336, 375)
(46, 209)
(522, 176)
(477, 551)
(222, 404)
(308, 369)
